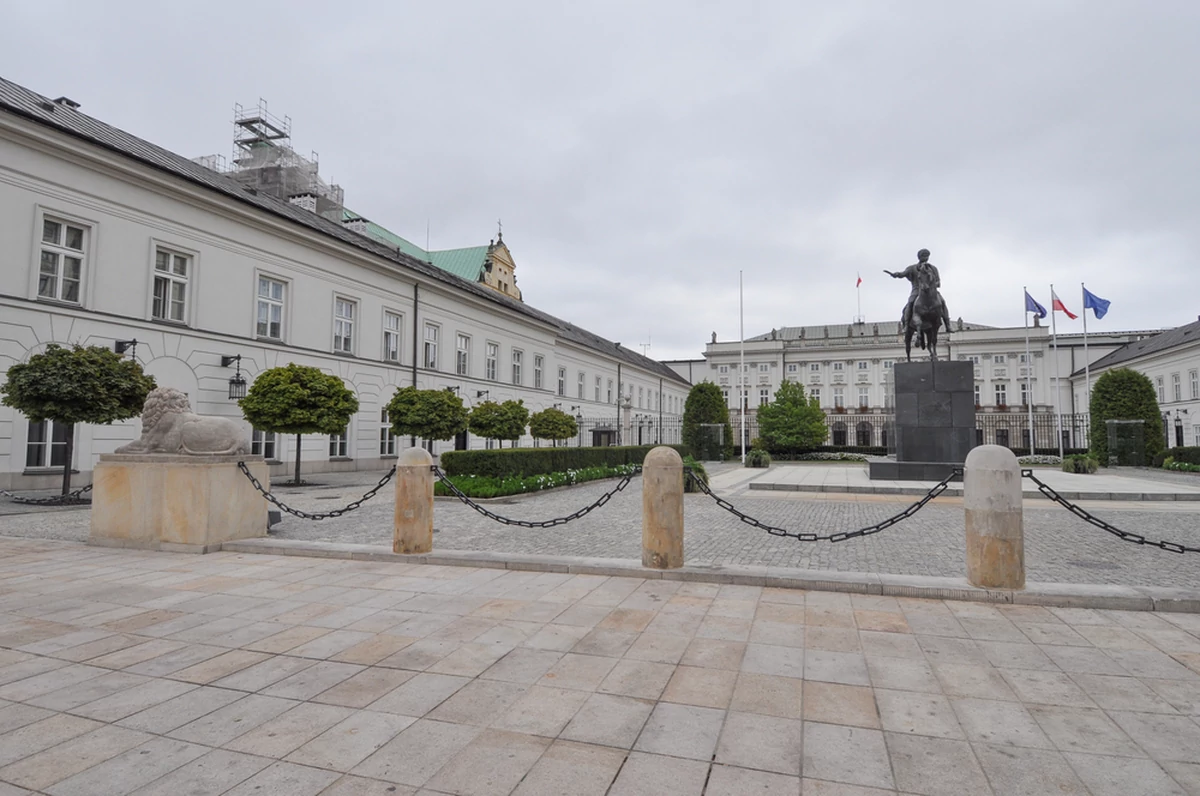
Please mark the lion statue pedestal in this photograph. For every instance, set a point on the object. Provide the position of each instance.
(178, 486)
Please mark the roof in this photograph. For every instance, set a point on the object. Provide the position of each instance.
(37, 108)
(888, 328)
(1163, 341)
(464, 263)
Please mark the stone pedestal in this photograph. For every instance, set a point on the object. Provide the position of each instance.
(994, 519)
(662, 509)
(412, 524)
(935, 421)
(179, 503)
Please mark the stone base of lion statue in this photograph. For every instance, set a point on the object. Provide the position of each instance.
(176, 503)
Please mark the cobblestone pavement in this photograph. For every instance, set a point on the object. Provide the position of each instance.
(157, 674)
(1058, 546)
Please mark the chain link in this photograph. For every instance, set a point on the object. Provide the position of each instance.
(491, 515)
(833, 537)
(1125, 536)
(305, 515)
(70, 499)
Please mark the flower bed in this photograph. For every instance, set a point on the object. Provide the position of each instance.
(483, 486)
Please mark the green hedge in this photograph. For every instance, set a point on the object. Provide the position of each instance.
(537, 461)
(1186, 455)
(866, 450)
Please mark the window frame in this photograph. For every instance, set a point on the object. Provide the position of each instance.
(462, 354)
(262, 441)
(90, 236)
(387, 440)
(518, 366)
(283, 302)
(539, 371)
(491, 360)
(343, 325)
(430, 346)
(397, 333)
(47, 446)
(1000, 393)
(190, 280)
(339, 444)
(562, 381)
(580, 384)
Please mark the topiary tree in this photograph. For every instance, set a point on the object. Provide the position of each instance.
(427, 414)
(504, 421)
(297, 399)
(792, 421)
(705, 406)
(1124, 394)
(77, 385)
(553, 424)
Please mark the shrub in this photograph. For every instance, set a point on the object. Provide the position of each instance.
(705, 405)
(1080, 463)
(502, 421)
(1182, 467)
(1186, 455)
(1124, 394)
(1028, 461)
(426, 414)
(792, 420)
(552, 424)
(538, 461)
(482, 486)
(757, 457)
(697, 469)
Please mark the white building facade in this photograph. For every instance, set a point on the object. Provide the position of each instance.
(108, 238)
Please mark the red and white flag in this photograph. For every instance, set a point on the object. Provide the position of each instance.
(1059, 306)
(859, 282)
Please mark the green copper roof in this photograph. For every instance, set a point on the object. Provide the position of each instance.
(465, 263)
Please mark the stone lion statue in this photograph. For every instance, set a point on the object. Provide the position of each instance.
(168, 426)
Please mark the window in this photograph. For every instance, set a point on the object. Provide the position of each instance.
(431, 346)
(462, 354)
(517, 357)
(973, 359)
(337, 445)
(815, 367)
(1024, 360)
(640, 394)
(764, 368)
(839, 366)
(815, 392)
(1158, 388)
(263, 443)
(387, 440)
(839, 397)
(723, 369)
(1001, 395)
(171, 272)
(391, 336)
(862, 365)
(791, 368)
(1176, 387)
(977, 402)
(490, 354)
(725, 395)
(888, 364)
(864, 397)
(596, 392)
(579, 385)
(764, 396)
(343, 325)
(47, 445)
(1024, 394)
(562, 381)
(539, 364)
(270, 308)
(609, 393)
(1194, 377)
(61, 266)
(999, 359)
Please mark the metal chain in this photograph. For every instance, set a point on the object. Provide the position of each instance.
(305, 515)
(833, 537)
(491, 515)
(1135, 538)
(70, 499)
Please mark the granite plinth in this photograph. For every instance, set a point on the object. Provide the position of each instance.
(935, 421)
(891, 470)
(179, 503)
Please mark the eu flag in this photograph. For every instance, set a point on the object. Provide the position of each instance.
(1094, 303)
(1034, 307)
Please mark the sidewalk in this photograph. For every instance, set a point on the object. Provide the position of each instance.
(127, 672)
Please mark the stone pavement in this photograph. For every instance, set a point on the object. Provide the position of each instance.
(129, 672)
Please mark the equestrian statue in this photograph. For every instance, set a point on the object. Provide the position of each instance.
(926, 309)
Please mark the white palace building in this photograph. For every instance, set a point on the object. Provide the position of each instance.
(109, 239)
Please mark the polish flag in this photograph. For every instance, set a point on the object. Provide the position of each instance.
(1059, 306)
(859, 282)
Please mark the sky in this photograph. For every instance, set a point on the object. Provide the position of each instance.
(642, 155)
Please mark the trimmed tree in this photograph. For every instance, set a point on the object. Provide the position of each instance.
(504, 421)
(297, 399)
(427, 414)
(77, 385)
(793, 421)
(553, 424)
(1124, 394)
(705, 406)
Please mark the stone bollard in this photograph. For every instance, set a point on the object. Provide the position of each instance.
(995, 524)
(413, 525)
(662, 509)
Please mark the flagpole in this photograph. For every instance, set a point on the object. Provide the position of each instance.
(1087, 363)
(858, 292)
(1029, 383)
(1057, 402)
(742, 367)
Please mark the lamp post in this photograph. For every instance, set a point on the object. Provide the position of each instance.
(578, 423)
(1179, 427)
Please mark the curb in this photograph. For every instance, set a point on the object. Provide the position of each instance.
(1062, 595)
(956, 491)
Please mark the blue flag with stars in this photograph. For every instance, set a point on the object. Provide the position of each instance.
(1032, 306)
(1096, 304)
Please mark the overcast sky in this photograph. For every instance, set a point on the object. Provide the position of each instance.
(640, 154)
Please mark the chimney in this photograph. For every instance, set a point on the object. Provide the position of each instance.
(358, 225)
(66, 102)
(308, 201)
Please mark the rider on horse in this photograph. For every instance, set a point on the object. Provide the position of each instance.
(913, 274)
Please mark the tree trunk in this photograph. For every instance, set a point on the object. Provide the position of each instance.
(297, 460)
(66, 482)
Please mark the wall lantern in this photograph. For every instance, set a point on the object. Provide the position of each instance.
(121, 346)
(481, 393)
(237, 384)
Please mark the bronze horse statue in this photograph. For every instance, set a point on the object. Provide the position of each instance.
(927, 314)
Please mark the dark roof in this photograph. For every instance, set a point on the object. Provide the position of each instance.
(35, 107)
(843, 330)
(1163, 341)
